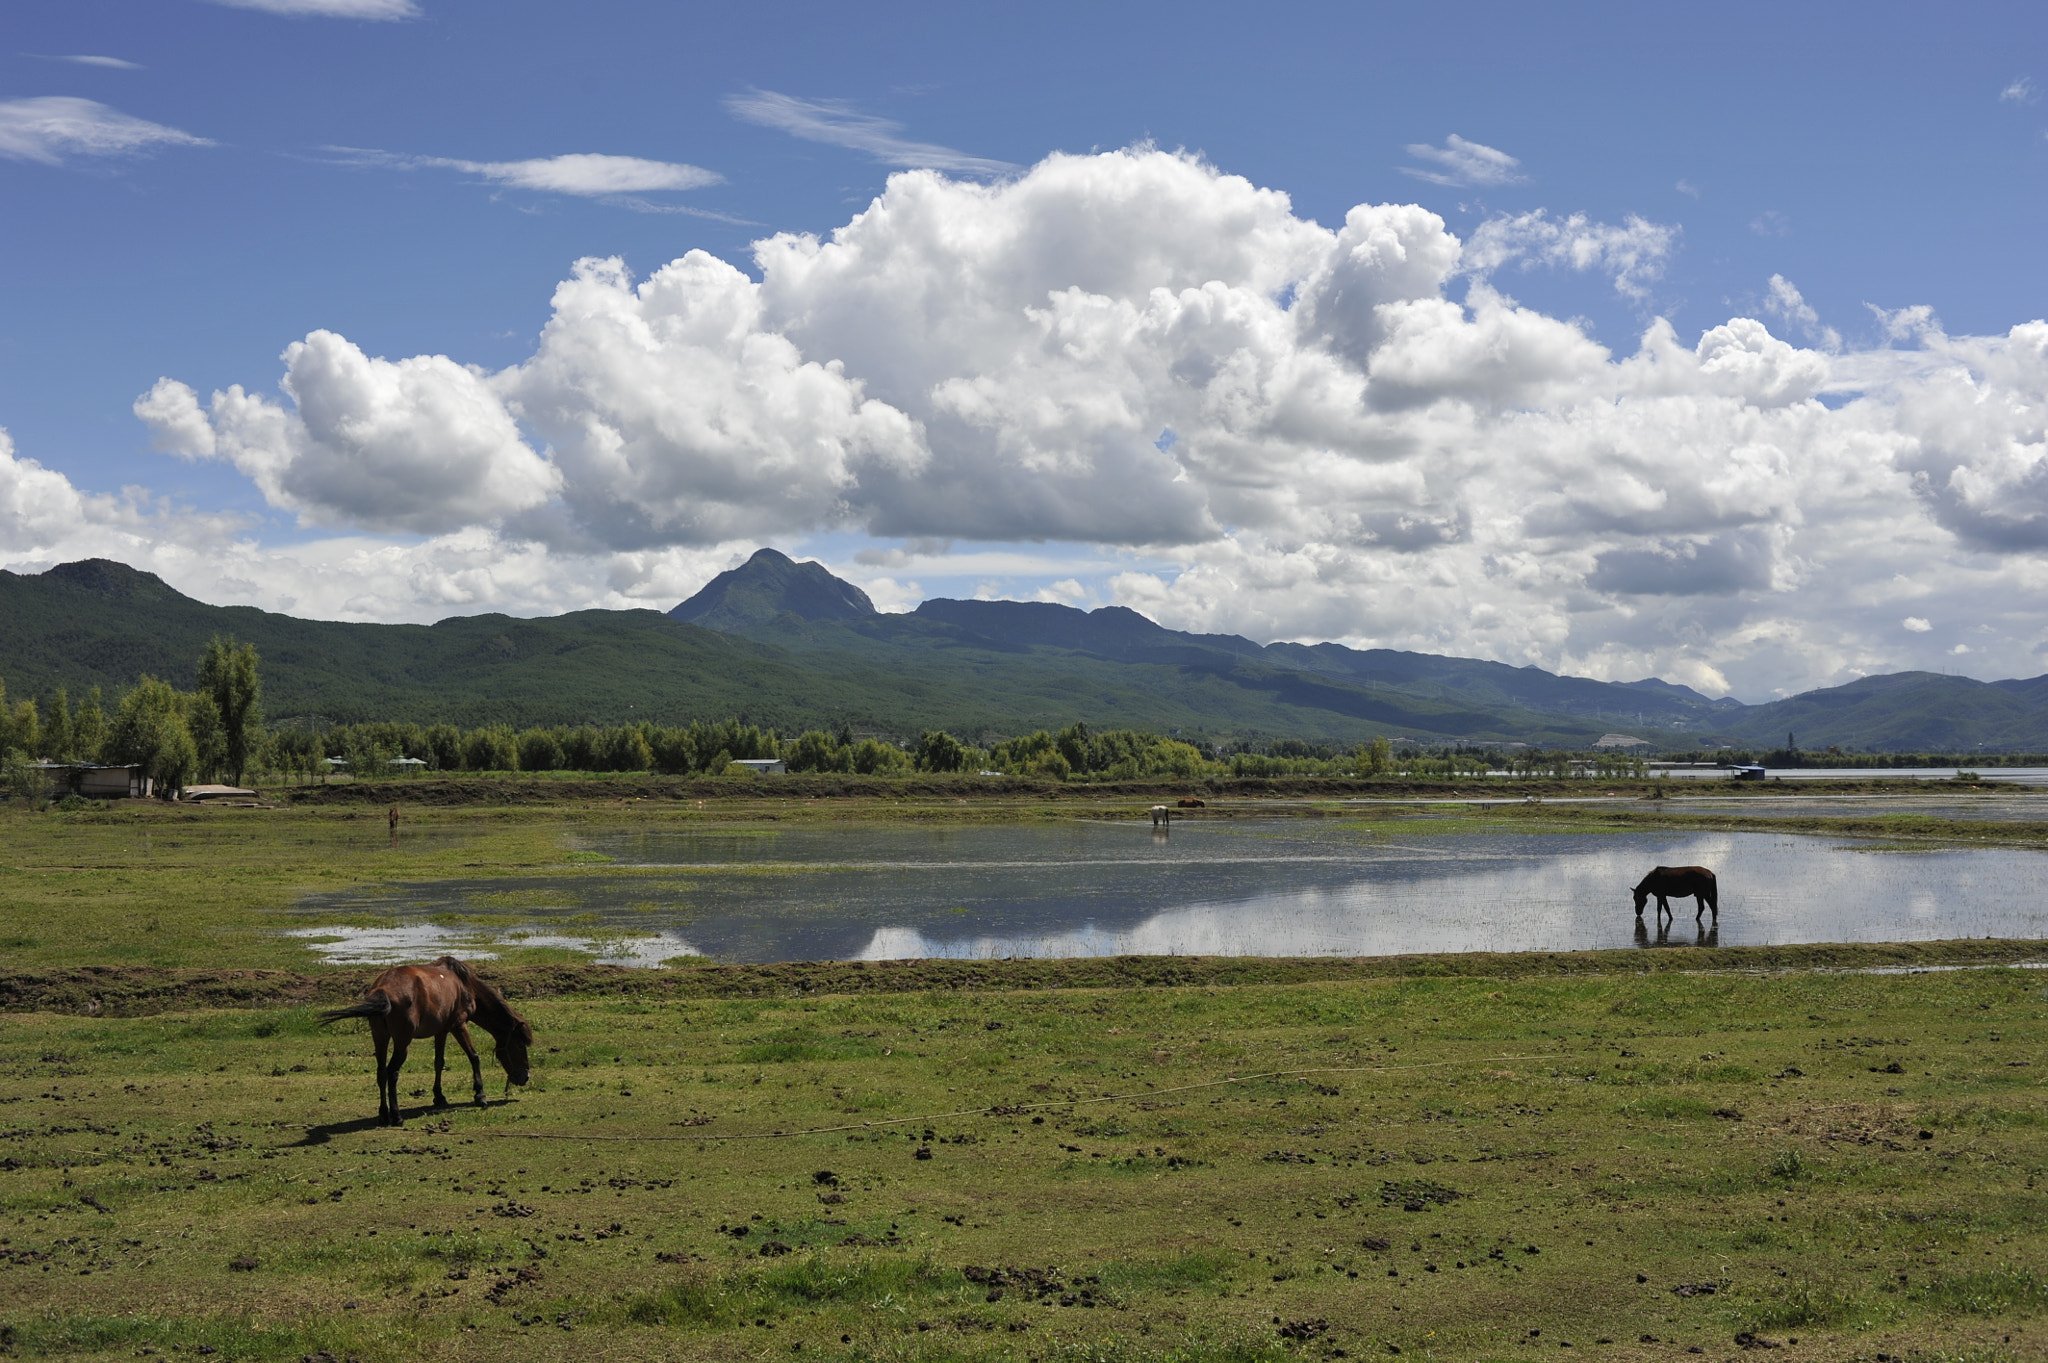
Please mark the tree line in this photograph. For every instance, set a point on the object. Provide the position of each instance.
(215, 731)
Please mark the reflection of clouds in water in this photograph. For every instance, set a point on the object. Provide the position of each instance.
(1782, 892)
(390, 946)
(1265, 887)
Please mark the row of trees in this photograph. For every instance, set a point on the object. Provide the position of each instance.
(214, 730)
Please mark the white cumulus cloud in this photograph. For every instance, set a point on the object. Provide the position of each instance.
(48, 128)
(1633, 254)
(676, 417)
(1235, 419)
(421, 444)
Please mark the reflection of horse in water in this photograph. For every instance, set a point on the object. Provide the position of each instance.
(1703, 935)
(1679, 882)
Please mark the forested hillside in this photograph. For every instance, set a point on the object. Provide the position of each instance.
(788, 646)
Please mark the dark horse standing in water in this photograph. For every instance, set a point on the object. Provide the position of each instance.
(1679, 882)
(408, 1002)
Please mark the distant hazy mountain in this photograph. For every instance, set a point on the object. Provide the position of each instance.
(791, 645)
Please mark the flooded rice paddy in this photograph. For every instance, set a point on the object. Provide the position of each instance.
(1264, 887)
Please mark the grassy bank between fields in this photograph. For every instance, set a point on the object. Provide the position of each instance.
(140, 991)
(1646, 1163)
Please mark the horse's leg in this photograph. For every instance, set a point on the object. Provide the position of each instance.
(383, 1040)
(476, 1070)
(399, 1045)
(440, 1058)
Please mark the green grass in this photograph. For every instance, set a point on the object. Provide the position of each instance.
(1180, 1166)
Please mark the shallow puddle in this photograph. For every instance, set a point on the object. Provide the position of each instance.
(1243, 887)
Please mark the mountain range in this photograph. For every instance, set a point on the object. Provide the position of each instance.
(790, 645)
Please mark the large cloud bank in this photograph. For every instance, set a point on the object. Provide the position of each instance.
(1350, 433)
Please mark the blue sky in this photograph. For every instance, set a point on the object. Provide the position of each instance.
(376, 178)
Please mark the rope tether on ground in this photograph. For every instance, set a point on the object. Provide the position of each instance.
(1008, 1109)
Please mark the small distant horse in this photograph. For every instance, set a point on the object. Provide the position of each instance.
(1192, 802)
(1161, 815)
(408, 1002)
(1679, 882)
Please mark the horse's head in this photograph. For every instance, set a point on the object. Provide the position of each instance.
(1642, 898)
(512, 1032)
(512, 1047)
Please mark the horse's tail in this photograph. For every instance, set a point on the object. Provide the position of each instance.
(376, 1005)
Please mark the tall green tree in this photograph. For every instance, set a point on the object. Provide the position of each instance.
(209, 735)
(89, 728)
(149, 731)
(938, 750)
(228, 674)
(57, 745)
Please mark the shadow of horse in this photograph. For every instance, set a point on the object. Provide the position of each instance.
(327, 1131)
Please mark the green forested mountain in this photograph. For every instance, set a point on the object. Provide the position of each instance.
(788, 645)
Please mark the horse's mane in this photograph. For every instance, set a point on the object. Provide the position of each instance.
(493, 1014)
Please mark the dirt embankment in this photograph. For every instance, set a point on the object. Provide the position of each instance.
(127, 991)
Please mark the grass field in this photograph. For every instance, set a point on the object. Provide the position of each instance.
(1473, 1157)
(1456, 1169)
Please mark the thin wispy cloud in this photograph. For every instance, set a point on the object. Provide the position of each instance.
(331, 9)
(49, 128)
(639, 205)
(1771, 223)
(2023, 90)
(87, 59)
(1784, 300)
(838, 124)
(1459, 163)
(589, 175)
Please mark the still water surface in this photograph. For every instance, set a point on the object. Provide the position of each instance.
(1264, 887)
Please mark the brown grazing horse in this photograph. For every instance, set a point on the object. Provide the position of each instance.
(408, 1002)
(1679, 882)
